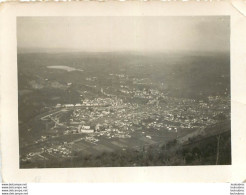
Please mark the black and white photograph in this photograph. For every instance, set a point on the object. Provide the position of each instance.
(123, 91)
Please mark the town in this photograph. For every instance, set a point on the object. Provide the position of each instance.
(85, 125)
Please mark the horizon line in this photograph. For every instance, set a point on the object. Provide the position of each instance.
(72, 50)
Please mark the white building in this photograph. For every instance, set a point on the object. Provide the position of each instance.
(69, 105)
(58, 105)
(84, 129)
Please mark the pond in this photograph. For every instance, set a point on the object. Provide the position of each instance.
(67, 68)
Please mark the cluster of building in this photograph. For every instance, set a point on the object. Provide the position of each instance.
(93, 102)
(111, 117)
(114, 118)
(60, 150)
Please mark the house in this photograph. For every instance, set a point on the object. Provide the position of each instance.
(97, 127)
(86, 131)
(85, 127)
(58, 105)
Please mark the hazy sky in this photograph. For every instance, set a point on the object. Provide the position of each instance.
(125, 33)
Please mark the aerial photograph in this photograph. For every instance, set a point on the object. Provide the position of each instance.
(123, 91)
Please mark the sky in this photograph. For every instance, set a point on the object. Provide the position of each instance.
(129, 33)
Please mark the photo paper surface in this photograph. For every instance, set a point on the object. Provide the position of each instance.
(123, 92)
